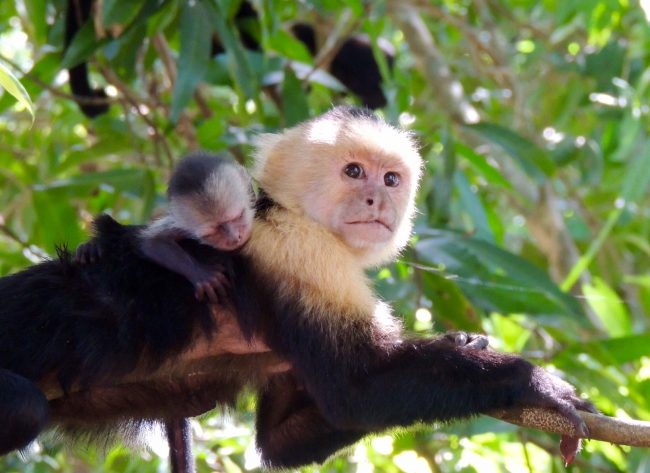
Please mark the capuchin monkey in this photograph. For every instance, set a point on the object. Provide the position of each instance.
(338, 198)
(211, 201)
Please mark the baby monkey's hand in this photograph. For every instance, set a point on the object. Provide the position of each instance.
(212, 285)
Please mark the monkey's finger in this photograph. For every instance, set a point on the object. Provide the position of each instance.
(198, 291)
(211, 295)
(222, 279)
(461, 339)
(478, 342)
(584, 405)
(221, 291)
(567, 410)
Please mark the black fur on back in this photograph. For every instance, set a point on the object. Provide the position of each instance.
(86, 323)
(192, 171)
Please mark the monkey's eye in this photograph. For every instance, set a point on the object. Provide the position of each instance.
(353, 170)
(391, 179)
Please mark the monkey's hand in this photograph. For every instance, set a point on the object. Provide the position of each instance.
(88, 252)
(476, 341)
(211, 285)
(548, 391)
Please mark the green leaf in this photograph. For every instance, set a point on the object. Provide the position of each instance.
(471, 203)
(288, 46)
(478, 162)
(294, 99)
(194, 55)
(119, 12)
(449, 303)
(614, 350)
(123, 180)
(82, 46)
(637, 174)
(9, 82)
(239, 66)
(533, 160)
(491, 277)
(37, 9)
(443, 182)
(609, 308)
(58, 223)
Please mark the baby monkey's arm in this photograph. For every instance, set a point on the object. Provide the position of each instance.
(162, 248)
(209, 282)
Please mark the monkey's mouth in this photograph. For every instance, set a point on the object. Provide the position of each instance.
(372, 223)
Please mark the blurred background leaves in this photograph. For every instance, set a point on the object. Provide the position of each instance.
(532, 226)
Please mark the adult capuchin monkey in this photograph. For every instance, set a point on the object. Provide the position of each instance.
(338, 198)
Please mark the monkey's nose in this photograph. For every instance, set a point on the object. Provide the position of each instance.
(370, 201)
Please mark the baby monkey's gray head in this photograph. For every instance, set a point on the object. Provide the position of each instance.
(211, 198)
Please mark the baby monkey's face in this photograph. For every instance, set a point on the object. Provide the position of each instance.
(220, 213)
(231, 233)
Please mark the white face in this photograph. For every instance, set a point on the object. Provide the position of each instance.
(356, 176)
(221, 214)
(362, 198)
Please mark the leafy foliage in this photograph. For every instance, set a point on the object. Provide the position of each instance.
(533, 223)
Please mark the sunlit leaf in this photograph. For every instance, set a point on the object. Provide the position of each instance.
(194, 55)
(533, 160)
(16, 89)
(294, 99)
(609, 308)
(491, 277)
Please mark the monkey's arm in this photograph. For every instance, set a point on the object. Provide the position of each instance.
(424, 381)
(291, 429)
(164, 250)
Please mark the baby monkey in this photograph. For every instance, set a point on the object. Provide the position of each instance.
(210, 200)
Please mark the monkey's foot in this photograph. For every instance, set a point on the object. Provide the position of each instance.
(548, 391)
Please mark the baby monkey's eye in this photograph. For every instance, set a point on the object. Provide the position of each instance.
(391, 179)
(353, 170)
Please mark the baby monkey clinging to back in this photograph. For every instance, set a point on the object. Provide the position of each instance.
(210, 200)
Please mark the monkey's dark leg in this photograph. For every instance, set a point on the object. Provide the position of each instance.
(291, 431)
(77, 13)
(179, 436)
(23, 411)
(166, 252)
(443, 382)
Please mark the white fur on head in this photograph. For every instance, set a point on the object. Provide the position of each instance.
(290, 165)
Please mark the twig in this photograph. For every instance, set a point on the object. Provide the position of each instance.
(334, 41)
(55, 91)
(136, 103)
(450, 90)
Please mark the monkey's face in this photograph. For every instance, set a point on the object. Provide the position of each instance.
(362, 198)
(355, 175)
(232, 233)
(220, 212)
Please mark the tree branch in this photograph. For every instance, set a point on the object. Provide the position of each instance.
(635, 433)
(202, 362)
